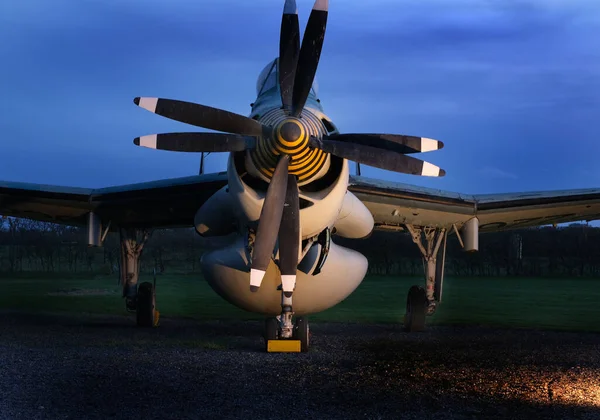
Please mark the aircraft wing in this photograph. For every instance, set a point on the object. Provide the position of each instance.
(164, 203)
(394, 204)
(173, 203)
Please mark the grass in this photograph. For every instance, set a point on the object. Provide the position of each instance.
(549, 303)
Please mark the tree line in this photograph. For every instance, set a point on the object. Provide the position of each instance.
(33, 246)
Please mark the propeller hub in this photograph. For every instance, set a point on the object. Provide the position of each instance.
(290, 132)
(291, 137)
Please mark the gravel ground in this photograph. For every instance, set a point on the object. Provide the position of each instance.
(102, 367)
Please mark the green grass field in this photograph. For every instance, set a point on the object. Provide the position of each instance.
(552, 303)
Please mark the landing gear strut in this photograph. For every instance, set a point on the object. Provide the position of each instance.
(422, 302)
(142, 299)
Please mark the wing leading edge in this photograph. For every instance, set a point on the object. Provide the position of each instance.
(174, 202)
(395, 204)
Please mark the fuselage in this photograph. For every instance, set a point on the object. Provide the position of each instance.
(327, 272)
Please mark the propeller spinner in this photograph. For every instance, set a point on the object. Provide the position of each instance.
(279, 149)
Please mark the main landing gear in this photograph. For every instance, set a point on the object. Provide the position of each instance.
(284, 335)
(139, 299)
(146, 313)
(422, 302)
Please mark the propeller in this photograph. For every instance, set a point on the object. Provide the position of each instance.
(269, 224)
(280, 214)
(197, 142)
(379, 158)
(289, 236)
(202, 116)
(289, 47)
(310, 52)
(392, 142)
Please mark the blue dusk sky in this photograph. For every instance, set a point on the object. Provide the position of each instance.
(511, 87)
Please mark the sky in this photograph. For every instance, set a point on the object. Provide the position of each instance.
(511, 87)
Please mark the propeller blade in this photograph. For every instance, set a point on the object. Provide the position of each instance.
(289, 234)
(378, 158)
(196, 142)
(269, 222)
(202, 116)
(289, 47)
(310, 52)
(392, 142)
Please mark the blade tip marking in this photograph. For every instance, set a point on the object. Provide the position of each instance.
(430, 169)
(148, 141)
(321, 5)
(428, 145)
(148, 103)
(256, 278)
(288, 282)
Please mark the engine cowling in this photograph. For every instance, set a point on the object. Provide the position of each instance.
(319, 207)
(227, 272)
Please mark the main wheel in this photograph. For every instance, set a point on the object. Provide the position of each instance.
(145, 305)
(302, 333)
(416, 309)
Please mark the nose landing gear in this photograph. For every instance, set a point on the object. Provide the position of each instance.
(284, 335)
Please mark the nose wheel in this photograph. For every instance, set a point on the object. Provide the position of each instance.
(275, 340)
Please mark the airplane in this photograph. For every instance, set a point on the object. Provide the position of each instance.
(286, 194)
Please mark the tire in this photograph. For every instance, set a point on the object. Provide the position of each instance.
(146, 305)
(416, 309)
(302, 333)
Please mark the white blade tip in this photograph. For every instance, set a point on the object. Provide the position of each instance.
(322, 5)
(288, 282)
(256, 278)
(148, 141)
(148, 103)
(428, 145)
(431, 170)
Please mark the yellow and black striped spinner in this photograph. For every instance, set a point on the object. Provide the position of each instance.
(290, 136)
